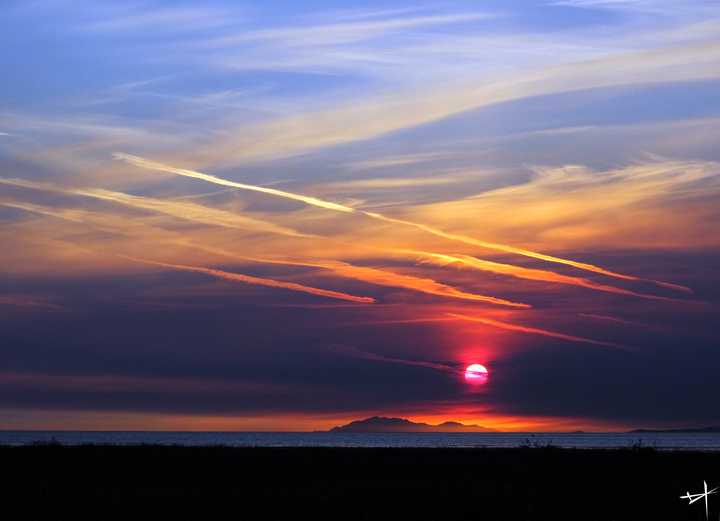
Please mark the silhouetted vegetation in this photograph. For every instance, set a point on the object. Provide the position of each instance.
(536, 482)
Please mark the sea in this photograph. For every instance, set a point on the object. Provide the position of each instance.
(657, 440)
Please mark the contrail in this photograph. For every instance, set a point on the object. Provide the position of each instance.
(670, 285)
(381, 278)
(617, 320)
(237, 277)
(424, 285)
(342, 269)
(43, 210)
(526, 253)
(154, 165)
(247, 279)
(182, 210)
(533, 330)
(25, 301)
(366, 355)
(421, 320)
(526, 273)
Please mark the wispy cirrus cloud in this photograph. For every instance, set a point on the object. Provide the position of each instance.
(374, 116)
(656, 7)
(396, 161)
(169, 19)
(387, 183)
(178, 209)
(114, 16)
(578, 202)
(346, 31)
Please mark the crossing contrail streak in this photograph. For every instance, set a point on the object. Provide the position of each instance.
(320, 203)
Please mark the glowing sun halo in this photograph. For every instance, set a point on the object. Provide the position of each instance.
(476, 374)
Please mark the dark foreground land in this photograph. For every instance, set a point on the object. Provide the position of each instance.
(348, 484)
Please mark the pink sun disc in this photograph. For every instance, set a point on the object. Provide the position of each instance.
(476, 374)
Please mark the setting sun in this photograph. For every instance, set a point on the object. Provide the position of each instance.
(476, 374)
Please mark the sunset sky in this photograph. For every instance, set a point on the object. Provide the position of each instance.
(285, 215)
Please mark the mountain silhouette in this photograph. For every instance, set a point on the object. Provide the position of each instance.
(384, 424)
(688, 429)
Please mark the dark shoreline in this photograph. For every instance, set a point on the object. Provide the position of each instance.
(359, 483)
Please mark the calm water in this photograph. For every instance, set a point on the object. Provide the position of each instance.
(665, 441)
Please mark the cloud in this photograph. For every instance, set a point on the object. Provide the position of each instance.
(396, 161)
(381, 278)
(385, 183)
(111, 383)
(154, 165)
(500, 247)
(313, 201)
(541, 121)
(532, 330)
(181, 210)
(535, 274)
(616, 320)
(29, 301)
(367, 355)
(343, 32)
(248, 279)
(657, 7)
(43, 210)
(424, 285)
(170, 19)
(342, 269)
(587, 208)
(374, 116)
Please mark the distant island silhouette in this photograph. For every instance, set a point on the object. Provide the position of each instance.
(384, 424)
(696, 430)
(389, 424)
